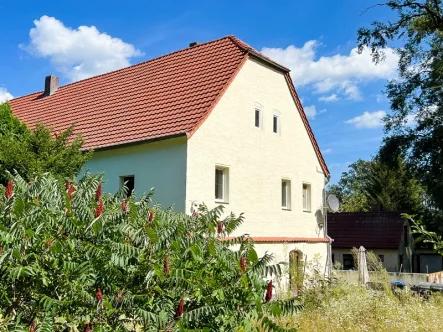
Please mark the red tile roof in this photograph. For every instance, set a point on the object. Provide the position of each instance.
(163, 97)
(286, 239)
(372, 230)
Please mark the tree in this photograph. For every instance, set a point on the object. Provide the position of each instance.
(376, 185)
(32, 152)
(416, 95)
(73, 259)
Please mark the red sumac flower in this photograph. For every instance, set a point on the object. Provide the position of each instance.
(67, 184)
(99, 209)
(269, 292)
(86, 328)
(166, 266)
(98, 294)
(180, 308)
(32, 327)
(120, 295)
(98, 193)
(242, 264)
(151, 215)
(124, 206)
(48, 243)
(188, 235)
(71, 191)
(219, 227)
(9, 189)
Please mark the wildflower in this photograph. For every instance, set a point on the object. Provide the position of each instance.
(99, 209)
(124, 206)
(9, 189)
(71, 191)
(99, 295)
(269, 292)
(219, 227)
(98, 193)
(179, 312)
(32, 327)
(166, 266)
(242, 264)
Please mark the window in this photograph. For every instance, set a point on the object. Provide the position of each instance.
(306, 197)
(348, 262)
(129, 182)
(258, 117)
(286, 194)
(276, 124)
(381, 258)
(221, 184)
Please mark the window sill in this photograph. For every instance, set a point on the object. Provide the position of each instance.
(221, 202)
(286, 209)
(308, 211)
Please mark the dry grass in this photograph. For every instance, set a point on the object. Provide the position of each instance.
(352, 308)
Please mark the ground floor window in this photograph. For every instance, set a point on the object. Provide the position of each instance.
(348, 261)
(129, 182)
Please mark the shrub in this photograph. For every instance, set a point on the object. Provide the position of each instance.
(74, 260)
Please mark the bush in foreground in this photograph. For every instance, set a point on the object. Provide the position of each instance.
(73, 259)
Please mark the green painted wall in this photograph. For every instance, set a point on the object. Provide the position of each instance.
(161, 165)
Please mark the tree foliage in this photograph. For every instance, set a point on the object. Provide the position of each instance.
(33, 152)
(376, 185)
(73, 259)
(416, 95)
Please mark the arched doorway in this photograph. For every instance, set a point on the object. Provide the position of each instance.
(296, 270)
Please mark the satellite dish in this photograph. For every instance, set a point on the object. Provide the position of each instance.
(333, 202)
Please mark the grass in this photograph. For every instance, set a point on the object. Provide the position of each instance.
(353, 308)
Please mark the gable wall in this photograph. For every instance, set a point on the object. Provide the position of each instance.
(257, 159)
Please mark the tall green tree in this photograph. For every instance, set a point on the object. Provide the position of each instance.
(378, 186)
(33, 152)
(416, 95)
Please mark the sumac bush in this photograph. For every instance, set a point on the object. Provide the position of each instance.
(74, 259)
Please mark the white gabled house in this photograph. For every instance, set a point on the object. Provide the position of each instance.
(217, 123)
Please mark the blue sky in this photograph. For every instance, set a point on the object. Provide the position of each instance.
(340, 90)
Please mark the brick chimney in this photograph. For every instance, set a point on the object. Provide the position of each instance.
(51, 85)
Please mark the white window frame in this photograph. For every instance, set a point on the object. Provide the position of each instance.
(306, 197)
(276, 116)
(286, 203)
(225, 184)
(259, 108)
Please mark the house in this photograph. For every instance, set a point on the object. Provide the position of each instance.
(425, 260)
(217, 123)
(386, 234)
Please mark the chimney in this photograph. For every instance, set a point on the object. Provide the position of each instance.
(193, 44)
(51, 85)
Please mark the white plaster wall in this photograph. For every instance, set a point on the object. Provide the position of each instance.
(314, 255)
(390, 260)
(257, 159)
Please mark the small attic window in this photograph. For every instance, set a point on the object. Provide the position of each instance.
(258, 116)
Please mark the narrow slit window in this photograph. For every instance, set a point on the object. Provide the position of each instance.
(306, 197)
(276, 124)
(286, 194)
(258, 118)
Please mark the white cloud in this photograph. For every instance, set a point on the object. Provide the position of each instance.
(326, 151)
(330, 98)
(78, 53)
(311, 111)
(368, 120)
(4, 95)
(337, 73)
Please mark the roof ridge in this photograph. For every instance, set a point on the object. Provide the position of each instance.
(230, 37)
